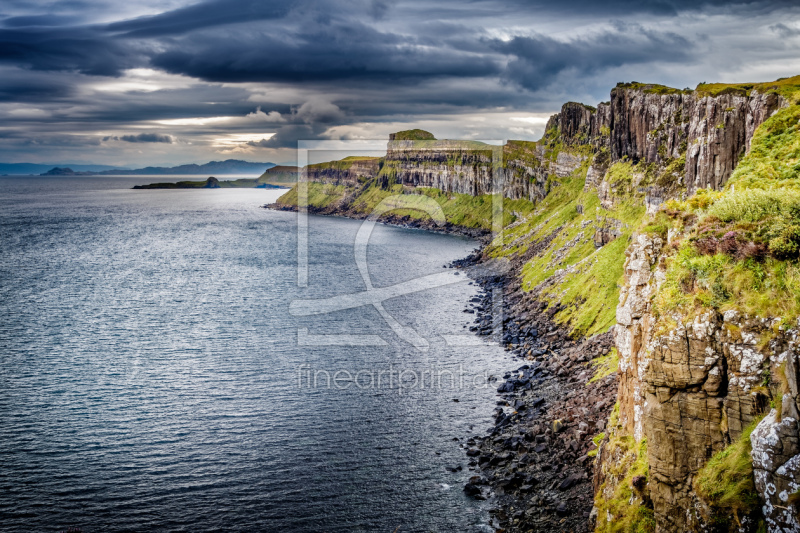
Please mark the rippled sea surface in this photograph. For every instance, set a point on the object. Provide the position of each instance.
(152, 377)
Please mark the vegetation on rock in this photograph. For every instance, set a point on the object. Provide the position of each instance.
(786, 87)
(726, 482)
(651, 88)
(739, 247)
(622, 500)
(414, 135)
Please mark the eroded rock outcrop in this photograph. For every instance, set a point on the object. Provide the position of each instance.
(691, 385)
(451, 166)
(713, 133)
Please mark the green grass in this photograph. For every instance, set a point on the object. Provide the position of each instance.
(413, 135)
(726, 482)
(343, 164)
(320, 195)
(651, 88)
(523, 152)
(279, 175)
(475, 212)
(754, 205)
(590, 292)
(605, 365)
(786, 87)
(459, 209)
(620, 507)
(759, 207)
(596, 440)
(774, 157)
(696, 282)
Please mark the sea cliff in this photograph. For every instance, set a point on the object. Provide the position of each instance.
(654, 296)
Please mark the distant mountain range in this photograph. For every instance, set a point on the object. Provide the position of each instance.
(24, 169)
(227, 167)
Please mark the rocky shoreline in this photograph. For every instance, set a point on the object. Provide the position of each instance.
(536, 464)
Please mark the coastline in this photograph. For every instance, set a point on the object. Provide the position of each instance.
(535, 465)
(481, 235)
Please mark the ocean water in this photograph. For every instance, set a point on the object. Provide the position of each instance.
(152, 377)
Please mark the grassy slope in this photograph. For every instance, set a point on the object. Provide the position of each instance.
(590, 290)
(758, 210)
(726, 481)
(319, 195)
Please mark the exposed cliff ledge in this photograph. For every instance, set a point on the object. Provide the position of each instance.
(350, 171)
(707, 336)
(451, 166)
(712, 132)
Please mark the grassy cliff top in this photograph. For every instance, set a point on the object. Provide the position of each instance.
(343, 164)
(579, 104)
(281, 169)
(283, 175)
(789, 88)
(413, 135)
(651, 88)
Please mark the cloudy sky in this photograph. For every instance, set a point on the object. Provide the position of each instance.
(178, 81)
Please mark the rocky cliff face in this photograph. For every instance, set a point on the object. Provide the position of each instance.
(529, 167)
(692, 385)
(451, 166)
(712, 133)
(776, 457)
(349, 172)
(640, 123)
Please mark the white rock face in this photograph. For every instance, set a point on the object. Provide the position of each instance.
(776, 466)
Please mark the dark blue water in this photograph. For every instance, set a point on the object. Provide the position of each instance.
(151, 378)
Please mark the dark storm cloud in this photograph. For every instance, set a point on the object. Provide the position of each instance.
(315, 41)
(320, 66)
(77, 49)
(288, 136)
(39, 20)
(33, 90)
(568, 8)
(203, 15)
(538, 59)
(336, 52)
(785, 31)
(142, 138)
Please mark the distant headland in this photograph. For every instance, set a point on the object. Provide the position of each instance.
(273, 178)
(227, 167)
